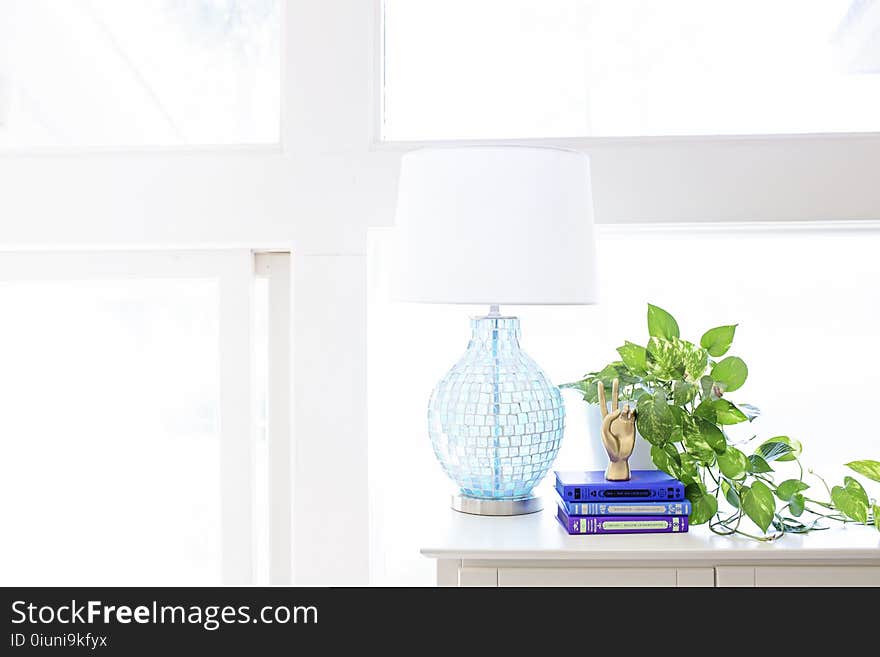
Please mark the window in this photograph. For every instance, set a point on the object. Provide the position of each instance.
(110, 435)
(134, 73)
(478, 69)
(800, 328)
(140, 422)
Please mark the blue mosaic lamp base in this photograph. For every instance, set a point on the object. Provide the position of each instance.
(496, 421)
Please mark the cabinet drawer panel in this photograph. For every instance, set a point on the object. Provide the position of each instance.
(586, 577)
(701, 577)
(470, 576)
(817, 576)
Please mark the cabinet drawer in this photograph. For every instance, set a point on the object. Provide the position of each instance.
(817, 576)
(586, 577)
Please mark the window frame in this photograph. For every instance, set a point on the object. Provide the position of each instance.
(744, 164)
(578, 142)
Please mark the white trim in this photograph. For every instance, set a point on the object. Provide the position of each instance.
(274, 148)
(276, 268)
(766, 228)
(377, 73)
(699, 229)
(580, 143)
(236, 419)
(285, 73)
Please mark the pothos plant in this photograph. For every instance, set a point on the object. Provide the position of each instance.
(681, 393)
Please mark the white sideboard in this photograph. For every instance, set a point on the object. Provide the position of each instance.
(534, 550)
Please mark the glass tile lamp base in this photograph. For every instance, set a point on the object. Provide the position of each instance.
(485, 507)
(496, 421)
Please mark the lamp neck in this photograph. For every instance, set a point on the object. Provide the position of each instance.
(495, 333)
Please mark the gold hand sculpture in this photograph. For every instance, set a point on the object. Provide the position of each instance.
(618, 434)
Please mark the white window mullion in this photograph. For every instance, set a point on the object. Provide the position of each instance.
(236, 425)
(275, 268)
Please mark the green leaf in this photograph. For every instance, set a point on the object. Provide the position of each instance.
(654, 419)
(855, 489)
(694, 443)
(633, 356)
(773, 451)
(706, 411)
(706, 384)
(718, 340)
(784, 455)
(796, 505)
(733, 463)
(869, 469)
(616, 370)
(683, 419)
(641, 392)
(789, 488)
(758, 464)
(664, 359)
(683, 392)
(876, 510)
(848, 503)
(719, 411)
(666, 458)
(730, 373)
(587, 388)
(694, 358)
(672, 359)
(689, 472)
(713, 436)
(730, 494)
(703, 505)
(792, 526)
(727, 413)
(758, 504)
(661, 324)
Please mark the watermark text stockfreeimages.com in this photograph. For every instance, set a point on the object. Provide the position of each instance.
(210, 617)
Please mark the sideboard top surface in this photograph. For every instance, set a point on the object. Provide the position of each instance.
(539, 536)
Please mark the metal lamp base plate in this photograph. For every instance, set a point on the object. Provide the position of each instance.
(482, 507)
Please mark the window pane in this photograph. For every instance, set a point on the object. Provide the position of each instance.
(109, 436)
(520, 68)
(106, 73)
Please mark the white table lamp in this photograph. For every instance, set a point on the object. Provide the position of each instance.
(492, 226)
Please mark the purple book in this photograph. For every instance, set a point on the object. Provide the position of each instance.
(621, 524)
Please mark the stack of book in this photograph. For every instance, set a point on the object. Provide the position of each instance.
(651, 502)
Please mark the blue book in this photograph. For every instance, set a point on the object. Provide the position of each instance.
(647, 508)
(591, 486)
(621, 524)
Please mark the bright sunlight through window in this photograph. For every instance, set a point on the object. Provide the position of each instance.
(139, 73)
(475, 69)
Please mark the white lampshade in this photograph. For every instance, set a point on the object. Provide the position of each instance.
(495, 225)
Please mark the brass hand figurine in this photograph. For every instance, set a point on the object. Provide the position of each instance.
(618, 434)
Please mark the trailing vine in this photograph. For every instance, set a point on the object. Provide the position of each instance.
(680, 391)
